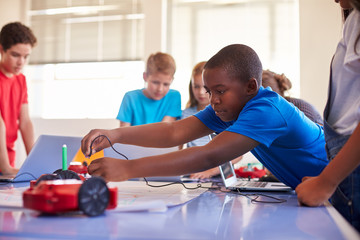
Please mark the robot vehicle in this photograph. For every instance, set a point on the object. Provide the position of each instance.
(67, 191)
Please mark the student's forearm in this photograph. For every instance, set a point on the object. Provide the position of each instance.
(124, 124)
(26, 128)
(182, 162)
(4, 159)
(158, 135)
(345, 161)
(225, 147)
(148, 135)
(175, 163)
(27, 134)
(168, 119)
(161, 134)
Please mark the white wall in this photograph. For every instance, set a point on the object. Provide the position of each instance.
(14, 10)
(320, 30)
(71, 127)
(155, 38)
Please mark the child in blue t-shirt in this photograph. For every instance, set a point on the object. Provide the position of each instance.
(156, 102)
(245, 116)
(198, 100)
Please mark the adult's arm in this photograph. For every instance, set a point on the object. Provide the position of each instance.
(314, 191)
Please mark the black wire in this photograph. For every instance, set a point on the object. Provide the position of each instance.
(257, 195)
(254, 196)
(17, 176)
(147, 183)
(110, 146)
(25, 173)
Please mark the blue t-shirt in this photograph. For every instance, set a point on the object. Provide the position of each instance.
(291, 146)
(137, 109)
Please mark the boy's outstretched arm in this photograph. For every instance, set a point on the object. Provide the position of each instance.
(315, 191)
(163, 134)
(225, 147)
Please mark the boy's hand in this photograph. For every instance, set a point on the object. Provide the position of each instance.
(94, 141)
(313, 191)
(110, 169)
(205, 174)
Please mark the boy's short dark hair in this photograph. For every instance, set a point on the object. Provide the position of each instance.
(239, 61)
(14, 33)
(160, 62)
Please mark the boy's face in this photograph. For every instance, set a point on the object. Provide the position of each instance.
(158, 85)
(14, 58)
(228, 96)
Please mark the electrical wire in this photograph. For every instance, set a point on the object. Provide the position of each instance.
(252, 196)
(17, 176)
(146, 181)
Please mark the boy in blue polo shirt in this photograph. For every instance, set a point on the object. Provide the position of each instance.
(246, 117)
(156, 102)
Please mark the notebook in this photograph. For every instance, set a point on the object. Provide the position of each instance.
(45, 157)
(231, 182)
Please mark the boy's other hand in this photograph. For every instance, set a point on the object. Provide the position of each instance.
(110, 169)
(205, 174)
(313, 191)
(95, 141)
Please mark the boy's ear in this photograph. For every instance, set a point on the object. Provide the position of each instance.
(145, 76)
(252, 86)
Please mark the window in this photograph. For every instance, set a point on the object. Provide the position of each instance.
(199, 29)
(90, 52)
(87, 30)
(88, 55)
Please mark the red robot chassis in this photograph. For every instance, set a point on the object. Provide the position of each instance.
(91, 196)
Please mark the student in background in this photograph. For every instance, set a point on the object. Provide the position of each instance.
(340, 180)
(156, 102)
(16, 43)
(198, 100)
(246, 117)
(280, 84)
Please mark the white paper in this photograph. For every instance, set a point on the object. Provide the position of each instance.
(12, 197)
(133, 196)
(137, 196)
